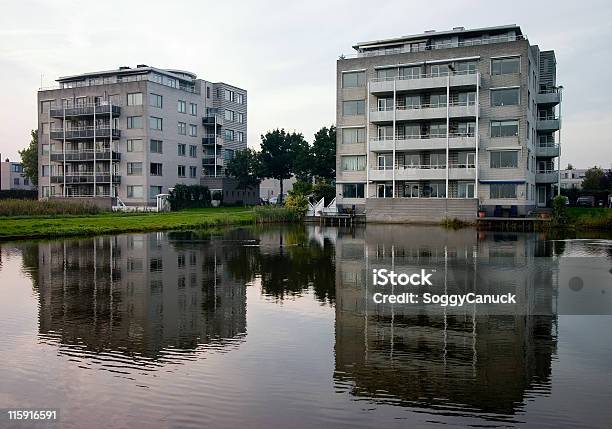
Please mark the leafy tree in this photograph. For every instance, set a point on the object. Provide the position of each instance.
(245, 166)
(29, 159)
(277, 156)
(324, 189)
(187, 196)
(594, 180)
(324, 153)
(301, 187)
(302, 157)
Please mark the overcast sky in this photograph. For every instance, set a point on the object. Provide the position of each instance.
(284, 53)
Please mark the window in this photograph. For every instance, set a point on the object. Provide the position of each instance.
(229, 115)
(181, 149)
(193, 171)
(155, 100)
(228, 154)
(386, 74)
(353, 79)
(45, 149)
(229, 135)
(504, 128)
(505, 65)
(239, 117)
(134, 122)
(465, 190)
(156, 169)
(26, 181)
(353, 135)
(228, 95)
(45, 171)
(353, 190)
(156, 146)
(182, 106)
(353, 162)
(505, 97)
(134, 168)
(134, 191)
(466, 67)
(239, 98)
(16, 181)
(193, 130)
(156, 123)
(182, 128)
(353, 107)
(502, 190)
(181, 171)
(154, 191)
(504, 159)
(193, 109)
(240, 136)
(134, 99)
(193, 150)
(134, 145)
(208, 92)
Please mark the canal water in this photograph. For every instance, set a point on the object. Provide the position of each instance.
(274, 327)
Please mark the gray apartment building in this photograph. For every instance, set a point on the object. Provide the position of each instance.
(439, 124)
(124, 136)
(12, 176)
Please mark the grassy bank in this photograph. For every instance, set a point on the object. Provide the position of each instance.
(26, 208)
(113, 223)
(590, 218)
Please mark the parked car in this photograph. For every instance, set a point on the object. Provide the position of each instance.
(274, 199)
(586, 201)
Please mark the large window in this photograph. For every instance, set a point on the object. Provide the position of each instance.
(505, 65)
(156, 146)
(239, 136)
(134, 191)
(156, 123)
(353, 79)
(180, 171)
(181, 149)
(156, 169)
(502, 190)
(193, 171)
(504, 128)
(353, 135)
(353, 162)
(154, 191)
(229, 115)
(193, 151)
(466, 67)
(134, 99)
(182, 106)
(505, 97)
(504, 159)
(134, 122)
(182, 128)
(193, 130)
(353, 107)
(465, 190)
(134, 168)
(155, 100)
(353, 190)
(229, 135)
(134, 145)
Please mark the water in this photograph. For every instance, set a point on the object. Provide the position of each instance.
(271, 328)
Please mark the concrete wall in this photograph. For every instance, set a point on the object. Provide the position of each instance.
(430, 210)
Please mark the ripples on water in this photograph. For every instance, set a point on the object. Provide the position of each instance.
(252, 328)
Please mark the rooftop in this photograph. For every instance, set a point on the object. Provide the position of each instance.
(125, 70)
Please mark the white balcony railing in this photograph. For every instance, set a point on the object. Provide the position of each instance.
(423, 76)
(423, 106)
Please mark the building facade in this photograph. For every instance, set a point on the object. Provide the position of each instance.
(12, 176)
(440, 124)
(132, 133)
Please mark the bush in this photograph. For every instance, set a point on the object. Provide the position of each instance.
(324, 190)
(275, 214)
(559, 214)
(217, 195)
(47, 208)
(18, 194)
(298, 202)
(189, 196)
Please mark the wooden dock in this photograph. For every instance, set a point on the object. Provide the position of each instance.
(513, 223)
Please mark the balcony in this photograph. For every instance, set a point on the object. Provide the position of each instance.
(424, 142)
(549, 98)
(84, 110)
(86, 155)
(86, 177)
(211, 120)
(548, 123)
(424, 172)
(423, 82)
(212, 161)
(547, 176)
(424, 112)
(85, 133)
(547, 151)
(212, 139)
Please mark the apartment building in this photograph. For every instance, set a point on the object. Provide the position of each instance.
(444, 123)
(124, 136)
(12, 176)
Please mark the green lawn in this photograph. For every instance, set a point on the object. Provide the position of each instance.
(110, 223)
(587, 217)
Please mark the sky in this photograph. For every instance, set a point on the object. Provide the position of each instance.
(284, 53)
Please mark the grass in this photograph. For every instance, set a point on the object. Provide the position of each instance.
(273, 214)
(454, 223)
(590, 218)
(113, 223)
(24, 208)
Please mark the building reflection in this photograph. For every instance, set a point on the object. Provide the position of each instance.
(138, 294)
(426, 357)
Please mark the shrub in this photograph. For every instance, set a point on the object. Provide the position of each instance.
(18, 194)
(559, 214)
(46, 208)
(217, 195)
(275, 214)
(189, 196)
(298, 202)
(324, 190)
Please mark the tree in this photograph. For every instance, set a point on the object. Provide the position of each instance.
(302, 159)
(245, 167)
(324, 189)
(29, 159)
(594, 179)
(277, 156)
(324, 153)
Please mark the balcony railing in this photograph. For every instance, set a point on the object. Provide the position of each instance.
(103, 154)
(86, 177)
(423, 106)
(211, 160)
(423, 76)
(87, 109)
(422, 136)
(212, 119)
(423, 166)
(212, 139)
(434, 46)
(85, 133)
